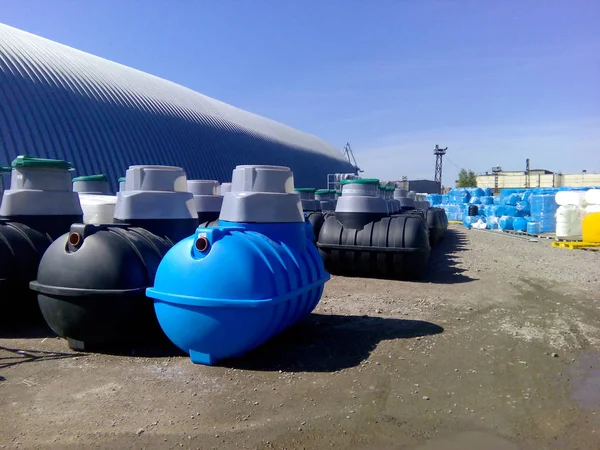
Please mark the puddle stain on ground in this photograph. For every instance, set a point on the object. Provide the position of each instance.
(471, 440)
(585, 381)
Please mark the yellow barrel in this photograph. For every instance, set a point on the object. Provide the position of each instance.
(591, 227)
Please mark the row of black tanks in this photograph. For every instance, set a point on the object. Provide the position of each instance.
(373, 230)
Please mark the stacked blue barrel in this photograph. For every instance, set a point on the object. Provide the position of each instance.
(363, 239)
(91, 281)
(227, 289)
(37, 208)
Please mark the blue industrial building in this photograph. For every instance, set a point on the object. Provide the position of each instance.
(59, 102)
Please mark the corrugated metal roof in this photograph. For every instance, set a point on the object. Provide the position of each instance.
(59, 102)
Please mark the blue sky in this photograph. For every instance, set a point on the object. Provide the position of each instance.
(495, 81)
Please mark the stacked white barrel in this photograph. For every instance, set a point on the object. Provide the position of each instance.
(570, 213)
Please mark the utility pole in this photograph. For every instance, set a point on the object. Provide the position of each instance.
(439, 155)
(527, 180)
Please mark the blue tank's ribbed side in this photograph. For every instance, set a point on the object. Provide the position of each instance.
(58, 102)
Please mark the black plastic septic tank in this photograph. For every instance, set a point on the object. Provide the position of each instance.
(91, 184)
(207, 199)
(21, 249)
(473, 210)
(156, 198)
(360, 203)
(41, 196)
(362, 240)
(326, 197)
(437, 223)
(91, 284)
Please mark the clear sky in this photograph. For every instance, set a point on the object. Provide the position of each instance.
(496, 81)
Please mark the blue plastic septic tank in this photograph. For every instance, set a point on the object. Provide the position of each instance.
(226, 290)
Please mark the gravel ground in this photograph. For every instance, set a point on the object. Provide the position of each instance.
(497, 348)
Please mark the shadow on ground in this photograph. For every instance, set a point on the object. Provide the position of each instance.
(24, 325)
(328, 343)
(13, 356)
(443, 260)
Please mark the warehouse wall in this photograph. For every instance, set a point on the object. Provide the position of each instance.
(517, 181)
(58, 102)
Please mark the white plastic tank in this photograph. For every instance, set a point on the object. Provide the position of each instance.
(98, 209)
(592, 197)
(576, 198)
(589, 209)
(569, 221)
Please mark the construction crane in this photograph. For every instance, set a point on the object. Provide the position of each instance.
(349, 154)
(439, 155)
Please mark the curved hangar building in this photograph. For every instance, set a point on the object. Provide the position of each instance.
(59, 102)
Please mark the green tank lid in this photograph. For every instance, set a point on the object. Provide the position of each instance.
(99, 177)
(338, 192)
(41, 163)
(306, 189)
(5, 169)
(121, 180)
(360, 181)
(323, 191)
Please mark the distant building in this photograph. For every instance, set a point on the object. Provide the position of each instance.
(61, 103)
(424, 186)
(538, 178)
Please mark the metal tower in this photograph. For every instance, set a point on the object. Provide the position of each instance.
(404, 182)
(349, 154)
(496, 170)
(439, 155)
(527, 176)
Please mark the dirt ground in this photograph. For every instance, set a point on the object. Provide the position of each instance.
(497, 348)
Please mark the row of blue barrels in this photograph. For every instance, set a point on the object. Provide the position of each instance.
(94, 282)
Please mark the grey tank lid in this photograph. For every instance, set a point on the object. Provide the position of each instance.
(406, 203)
(155, 192)
(400, 193)
(203, 187)
(155, 178)
(206, 195)
(262, 194)
(225, 187)
(94, 184)
(40, 187)
(361, 198)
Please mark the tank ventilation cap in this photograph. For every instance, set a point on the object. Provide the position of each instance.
(121, 180)
(225, 187)
(99, 177)
(30, 162)
(156, 178)
(203, 187)
(276, 179)
(262, 194)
